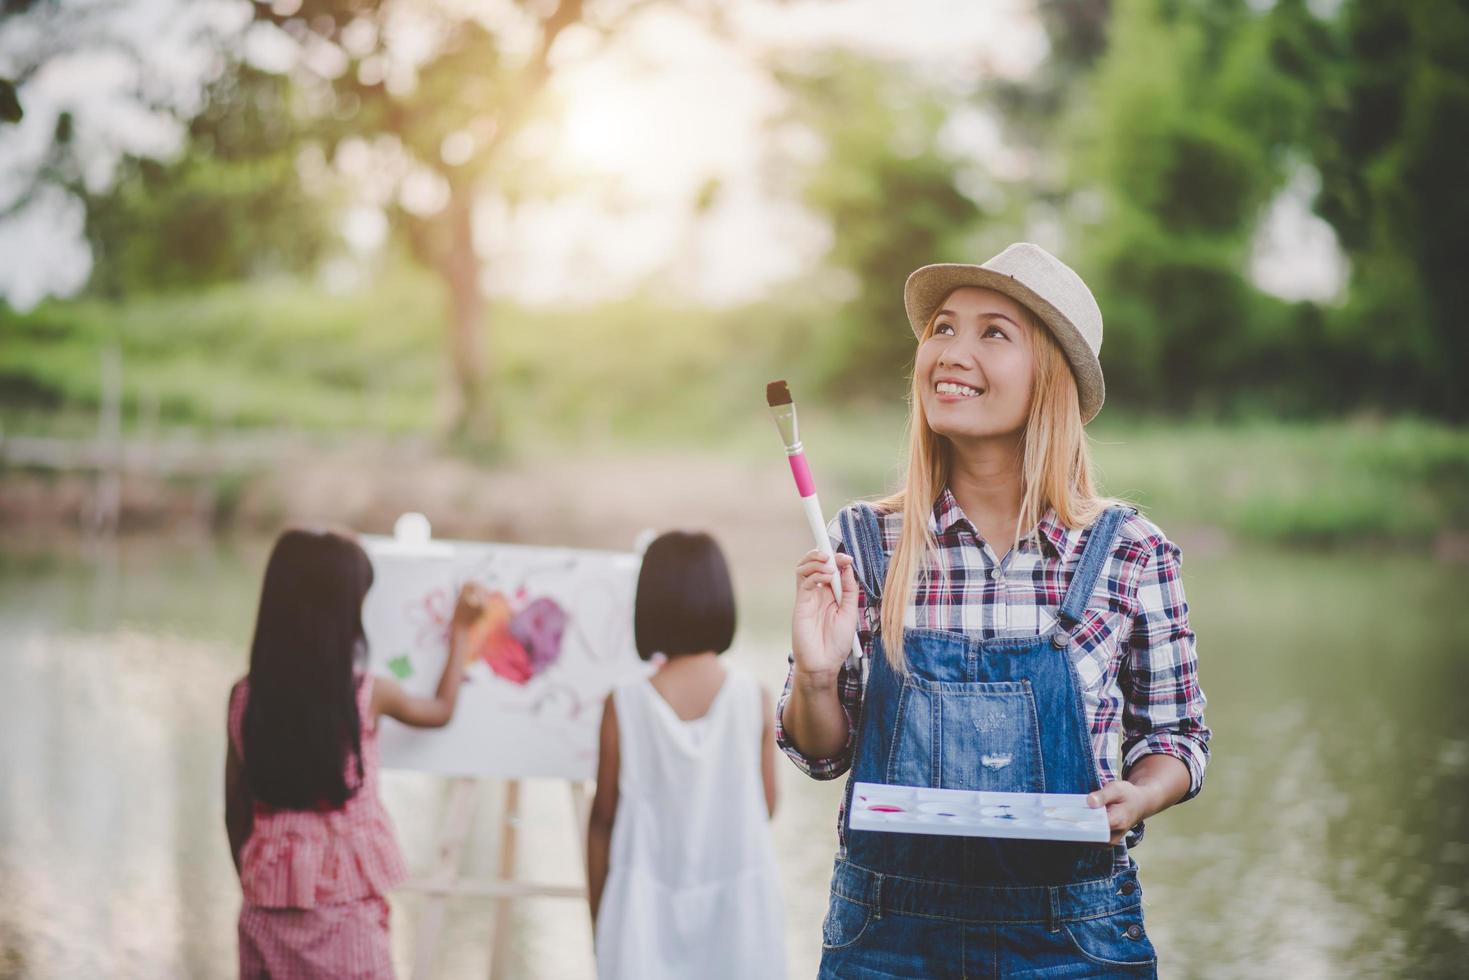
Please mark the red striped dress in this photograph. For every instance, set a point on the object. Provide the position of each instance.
(314, 881)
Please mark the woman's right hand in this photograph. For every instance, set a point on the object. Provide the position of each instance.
(822, 630)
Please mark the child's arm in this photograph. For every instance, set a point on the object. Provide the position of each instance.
(604, 810)
(767, 751)
(239, 805)
(465, 635)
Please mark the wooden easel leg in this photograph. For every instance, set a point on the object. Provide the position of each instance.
(457, 820)
(581, 806)
(500, 936)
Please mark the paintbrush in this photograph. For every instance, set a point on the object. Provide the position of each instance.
(783, 410)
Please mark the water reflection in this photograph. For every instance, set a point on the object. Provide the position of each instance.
(1331, 838)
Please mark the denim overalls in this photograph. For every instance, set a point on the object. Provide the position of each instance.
(1006, 715)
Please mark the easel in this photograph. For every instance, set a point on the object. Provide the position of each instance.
(412, 537)
(444, 882)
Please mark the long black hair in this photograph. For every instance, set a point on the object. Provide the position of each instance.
(301, 725)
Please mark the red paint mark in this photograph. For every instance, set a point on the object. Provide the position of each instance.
(885, 808)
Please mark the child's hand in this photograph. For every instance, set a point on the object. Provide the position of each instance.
(471, 623)
(473, 601)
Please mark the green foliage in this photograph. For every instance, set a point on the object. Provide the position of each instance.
(1159, 140)
(1183, 132)
(272, 353)
(1360, 482)
(1389, 143)
(893, 200)
(231, 207)
(446, 89)
(279, 354)
(1192, 119)
(1348, 482)
(637, 376)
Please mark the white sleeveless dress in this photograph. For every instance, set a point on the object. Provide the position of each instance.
(692, 890)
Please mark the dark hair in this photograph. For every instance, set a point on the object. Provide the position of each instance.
(685, 602)
(301, 725)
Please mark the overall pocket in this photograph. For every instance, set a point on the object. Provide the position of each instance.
(971, 736)
(1118, 939)
(845, 922)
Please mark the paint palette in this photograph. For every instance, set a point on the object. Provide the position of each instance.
(965, 813)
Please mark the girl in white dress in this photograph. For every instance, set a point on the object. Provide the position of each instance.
(681, 868)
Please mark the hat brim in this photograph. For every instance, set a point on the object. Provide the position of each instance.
(927, 287)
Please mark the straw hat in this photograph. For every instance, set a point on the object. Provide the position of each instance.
(1042, 283)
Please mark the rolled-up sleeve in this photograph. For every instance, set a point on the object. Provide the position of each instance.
(1163, 709)
(849, 688)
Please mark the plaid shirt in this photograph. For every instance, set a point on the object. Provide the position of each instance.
(1134, 651)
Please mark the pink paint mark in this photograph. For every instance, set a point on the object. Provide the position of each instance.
(801, 470)
(885, 808)
(431, 614)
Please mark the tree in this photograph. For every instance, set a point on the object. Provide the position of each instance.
(1389, 144)
(143, 64)
(231, 205)
(892, 196)
(1188, 126)
(447, 91)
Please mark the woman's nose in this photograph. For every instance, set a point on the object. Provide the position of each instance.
(957, 353)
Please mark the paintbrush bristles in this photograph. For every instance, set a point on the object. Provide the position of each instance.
(778, 393)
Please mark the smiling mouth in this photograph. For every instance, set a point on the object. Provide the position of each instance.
(957, 389)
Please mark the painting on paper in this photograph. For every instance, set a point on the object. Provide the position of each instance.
(560, 636)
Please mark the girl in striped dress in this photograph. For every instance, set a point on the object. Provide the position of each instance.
(311, 841)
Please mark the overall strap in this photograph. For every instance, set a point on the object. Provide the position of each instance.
(863, 537)
(1093, 559)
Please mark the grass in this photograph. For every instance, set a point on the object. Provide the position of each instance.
(283, 355)
(1362, 481)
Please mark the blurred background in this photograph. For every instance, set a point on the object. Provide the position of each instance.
(526, 267)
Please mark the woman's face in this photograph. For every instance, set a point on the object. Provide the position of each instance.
(976, 370)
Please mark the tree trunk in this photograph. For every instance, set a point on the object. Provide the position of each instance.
(472, 418)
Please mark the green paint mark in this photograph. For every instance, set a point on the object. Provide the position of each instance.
(401, 667)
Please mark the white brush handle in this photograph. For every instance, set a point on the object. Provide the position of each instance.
(817, 523)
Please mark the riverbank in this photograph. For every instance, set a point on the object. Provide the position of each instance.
(1362, 484)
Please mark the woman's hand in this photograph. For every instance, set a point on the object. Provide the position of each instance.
(1154, 783)
(822, 630)
(1126, 807)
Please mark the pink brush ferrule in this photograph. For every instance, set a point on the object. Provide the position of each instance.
(802, 472)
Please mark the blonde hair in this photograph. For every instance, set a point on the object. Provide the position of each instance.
(1055, 467)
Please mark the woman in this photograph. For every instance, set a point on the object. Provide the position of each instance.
(1020, 634)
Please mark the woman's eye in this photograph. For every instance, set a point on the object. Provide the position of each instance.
(943, 328)
(994, 331)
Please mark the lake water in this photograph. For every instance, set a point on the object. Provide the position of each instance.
(1331, 839)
